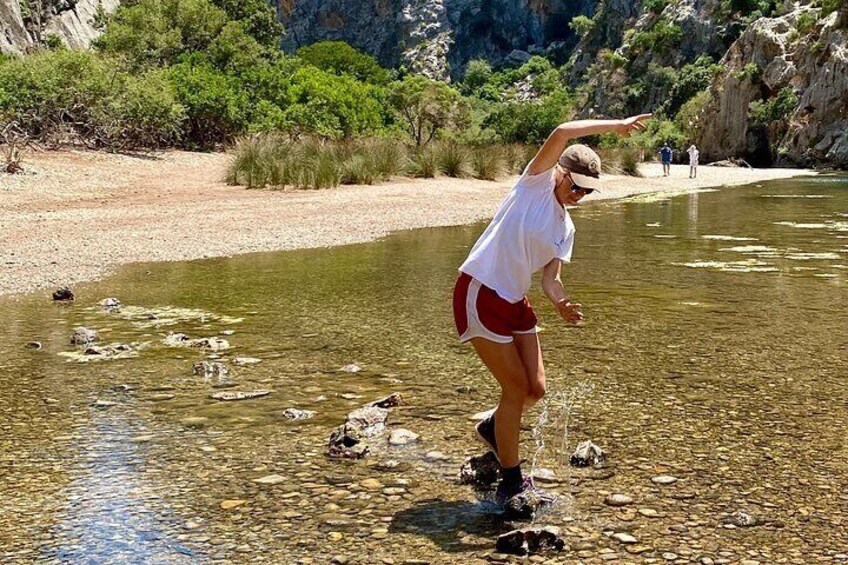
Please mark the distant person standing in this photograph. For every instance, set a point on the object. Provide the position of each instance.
(665, 154)
(693, 161)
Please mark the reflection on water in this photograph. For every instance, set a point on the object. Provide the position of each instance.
(731, 380)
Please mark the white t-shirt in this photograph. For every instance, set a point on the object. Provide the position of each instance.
(693, 156)
(528, 231)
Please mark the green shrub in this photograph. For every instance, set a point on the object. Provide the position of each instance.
(621, 160)
(530, 122)
(253, 163)
(158, 32)
(751, 71)
(662, 38)
(258, 18)
(216, 104)
(77, 96)
(340, 58)
(52, 41)
(517, 156)
(357, 168)
(142, 112)
(611, 59)
(655, 6)
(314, 166)
(582, 25)
(689, 81)
(806, 22)
(657, 132)
(777, 109)
(689, 117)
(830, 6)
(332, 106)
(453, 158)
(477, 73)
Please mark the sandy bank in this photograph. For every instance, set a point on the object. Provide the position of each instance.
(81, 214)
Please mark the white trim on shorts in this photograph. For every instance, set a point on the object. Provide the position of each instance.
(475, 326)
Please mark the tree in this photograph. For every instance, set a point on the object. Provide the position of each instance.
(427, 106)
(338, 57)
(333, 106)
(477, 73)
(258, 18)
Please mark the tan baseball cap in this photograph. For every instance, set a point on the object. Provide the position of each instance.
(583, 164)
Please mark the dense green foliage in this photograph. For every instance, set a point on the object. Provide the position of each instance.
(775, 110)
(340, 58)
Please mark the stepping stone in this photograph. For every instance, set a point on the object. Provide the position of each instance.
(530, 541)
(587, 454)
(403, 437)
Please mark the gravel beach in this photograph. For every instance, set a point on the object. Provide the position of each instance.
(74, 216)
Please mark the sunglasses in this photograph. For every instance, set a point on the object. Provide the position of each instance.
(575, 188)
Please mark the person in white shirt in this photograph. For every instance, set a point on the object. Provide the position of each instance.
(693, 161)
(531, 231)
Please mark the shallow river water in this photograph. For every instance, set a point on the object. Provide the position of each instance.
(715, 351)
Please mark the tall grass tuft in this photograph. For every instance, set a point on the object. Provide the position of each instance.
(315, 165)
(620, 161)
(454, 159)
(424, 161)
(249, 167)
(488, 162)
(519, 156)
(389, 157)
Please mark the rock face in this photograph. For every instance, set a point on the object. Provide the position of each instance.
(433, 37)
(814, 65)
(70, 20)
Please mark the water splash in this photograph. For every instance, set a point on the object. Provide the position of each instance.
(557, 410)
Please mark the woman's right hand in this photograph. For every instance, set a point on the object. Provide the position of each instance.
(571, 312)
(633, 123)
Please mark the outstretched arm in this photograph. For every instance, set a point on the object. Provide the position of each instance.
(559, 138)
(552, 286)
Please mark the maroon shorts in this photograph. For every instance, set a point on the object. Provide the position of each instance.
(480, 312)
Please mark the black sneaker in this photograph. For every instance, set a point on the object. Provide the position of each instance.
(505, 492)
(486, 433)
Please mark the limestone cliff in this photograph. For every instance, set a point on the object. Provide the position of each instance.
(434, 37)
(72, 21)
(772, 55)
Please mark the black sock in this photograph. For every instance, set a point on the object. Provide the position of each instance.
(512, 475)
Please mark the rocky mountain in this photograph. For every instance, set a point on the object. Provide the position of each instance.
(771, 89)
(435, 37)
(801, 53)
(26, 23)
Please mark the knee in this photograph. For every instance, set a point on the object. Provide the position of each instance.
(537, 391)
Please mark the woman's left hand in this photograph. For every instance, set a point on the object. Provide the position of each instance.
(633, 124)
(570, 311)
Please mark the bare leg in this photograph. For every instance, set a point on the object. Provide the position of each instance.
(504, 361)
(530, 352)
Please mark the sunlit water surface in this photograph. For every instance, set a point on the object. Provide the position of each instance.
(715, 351)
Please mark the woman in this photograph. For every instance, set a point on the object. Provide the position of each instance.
(532, 230)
